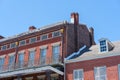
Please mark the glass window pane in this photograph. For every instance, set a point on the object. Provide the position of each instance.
(100, 73)
(32, 40)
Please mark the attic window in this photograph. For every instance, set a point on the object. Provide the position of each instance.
(103, 46)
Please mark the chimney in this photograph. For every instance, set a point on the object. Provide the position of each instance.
(32, 28)
(75, 18)
(91, 31)
(1, 37)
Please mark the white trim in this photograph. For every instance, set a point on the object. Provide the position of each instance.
(104, 55)
(2, 56)
(41, 76)
(43, 47)
(77, 70)
(22, 44)
(30, 71)
(29, 78)
(54, 32)
(32, 49)
(11, 54)
(54, 75)
(22, 51)
(56, 44)
(31, 38)
(42, 36)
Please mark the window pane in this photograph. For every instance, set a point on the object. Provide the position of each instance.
(4, 47)
(43, 55)
(119, 70)
(31, 58)
(44, 37)
(21, 60)
(32, 40)
(12, 45)
(22, 43)
(78, 74)
(56, 33)
(11, 59)
(56, 53)
(100, 73)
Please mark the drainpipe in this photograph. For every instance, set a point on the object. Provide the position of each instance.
(16, 51)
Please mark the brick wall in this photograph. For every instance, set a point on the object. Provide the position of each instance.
(111, 64)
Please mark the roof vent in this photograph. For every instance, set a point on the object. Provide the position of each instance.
(32, 28)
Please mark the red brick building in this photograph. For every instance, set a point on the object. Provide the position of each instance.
(99, 62)
(38, 54)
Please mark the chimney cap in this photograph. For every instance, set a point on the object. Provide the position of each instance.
(32, 28)
(1, 37)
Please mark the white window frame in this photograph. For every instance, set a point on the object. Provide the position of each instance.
(42, 36)
(57, 35)
(31, 40)
(11, 45)
(102, 46)
(22, 44)
(3, 46)
(78, 70)
(118, 72)
(98, 68)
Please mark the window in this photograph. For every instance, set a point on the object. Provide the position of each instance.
(119, 71)
(2, 63)
(4, 47)
(56, 34)
(100, 73)
(32, 40)
(20, 60)
(43, 52)
(31, 58)
(56, 53)
(103, 46)
(22, 43)
(11, 61)
(12, 45)
(44, 37)
(78, 74)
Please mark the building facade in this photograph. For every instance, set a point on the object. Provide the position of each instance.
(38, 54)
(99, 62)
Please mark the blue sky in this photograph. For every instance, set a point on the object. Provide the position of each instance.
(103, 15)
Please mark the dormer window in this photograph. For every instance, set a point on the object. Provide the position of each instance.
(105, 45)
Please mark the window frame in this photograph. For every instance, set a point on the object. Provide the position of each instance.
(55, 35)
(30, 41)
(11, 45)
(42, 36)
(98, 68)
(78, 71)
(3, 46)
(102, 47)
(22, 44)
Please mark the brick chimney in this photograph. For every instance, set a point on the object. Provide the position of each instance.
(32, 28)
(1, 37)
(75, 18)
(91, 31)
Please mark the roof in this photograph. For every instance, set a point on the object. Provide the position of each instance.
(93, 53)
(33, 31)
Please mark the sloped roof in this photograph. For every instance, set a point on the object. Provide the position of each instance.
(33, 31)
(93, 53)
